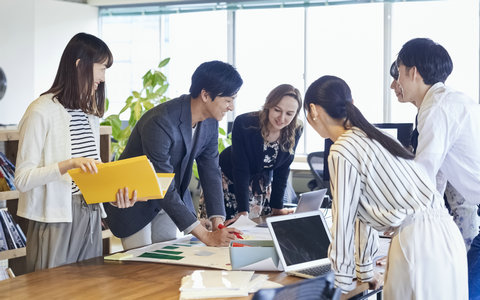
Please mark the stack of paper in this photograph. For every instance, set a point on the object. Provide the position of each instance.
(136, 173)
(215, 284)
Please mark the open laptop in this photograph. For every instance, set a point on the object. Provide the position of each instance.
(302, 242)
(310, 201)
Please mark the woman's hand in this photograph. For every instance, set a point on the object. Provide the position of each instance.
(376, 282)
(282, 211)
(122, 199)
(86, 164)
(231, 221)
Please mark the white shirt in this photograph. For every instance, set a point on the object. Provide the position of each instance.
(449, 141)
(371, 188)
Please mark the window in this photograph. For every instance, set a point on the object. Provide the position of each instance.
(347, 41)
(459, 36)
(269, 52)
(294, 45)
(134, 42)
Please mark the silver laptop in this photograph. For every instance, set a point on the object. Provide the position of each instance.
(302, 241)
(310, 201)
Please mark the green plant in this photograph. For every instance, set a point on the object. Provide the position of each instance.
(153, 93)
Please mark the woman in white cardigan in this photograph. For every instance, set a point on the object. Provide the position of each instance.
(58, 132)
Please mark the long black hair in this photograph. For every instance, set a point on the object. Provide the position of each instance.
(73, 83)
(334, 96)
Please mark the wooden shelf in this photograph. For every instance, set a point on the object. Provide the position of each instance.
(9, 254)
(8, 195)
(9, 135)
(12, 134)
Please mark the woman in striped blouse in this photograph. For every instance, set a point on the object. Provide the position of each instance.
(376, 186)
(58, 132)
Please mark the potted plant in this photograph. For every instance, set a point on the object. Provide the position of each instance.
(155, 85)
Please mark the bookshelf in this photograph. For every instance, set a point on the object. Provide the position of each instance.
(10, 136)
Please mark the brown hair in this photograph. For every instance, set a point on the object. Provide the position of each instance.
(287, 135)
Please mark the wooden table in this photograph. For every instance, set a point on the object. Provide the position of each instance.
(99, 279)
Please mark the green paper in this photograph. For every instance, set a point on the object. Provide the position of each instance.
(181, 245)
(161, 256)
(170, 247)
(168, 252)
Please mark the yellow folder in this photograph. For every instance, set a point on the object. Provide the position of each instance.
(136, 173)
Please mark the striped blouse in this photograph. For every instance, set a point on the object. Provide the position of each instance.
(372, 190)
(83, 141)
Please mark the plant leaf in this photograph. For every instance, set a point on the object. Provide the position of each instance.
(164, 62)
(221, 131)
(148, 105)
(161, 90)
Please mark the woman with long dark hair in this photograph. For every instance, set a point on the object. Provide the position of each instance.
(58, 132)
(376, 186)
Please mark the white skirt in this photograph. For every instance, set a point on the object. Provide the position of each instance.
(427, 259)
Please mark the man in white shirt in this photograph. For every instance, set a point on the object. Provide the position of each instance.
(464, 213)
(448, 126)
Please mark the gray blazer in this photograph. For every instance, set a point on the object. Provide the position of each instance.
(164, 135)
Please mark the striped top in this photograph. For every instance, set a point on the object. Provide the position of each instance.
(372, 190)
(83, 141)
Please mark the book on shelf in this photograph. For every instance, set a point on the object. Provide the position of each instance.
(8, 235)
(136, 173)
(7, 174)
(10, 232)
(14, 230)
(3, 239)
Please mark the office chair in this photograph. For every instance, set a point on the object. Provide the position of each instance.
(318, 288)
(315, 161)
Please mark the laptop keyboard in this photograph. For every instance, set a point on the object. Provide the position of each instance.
(316, 271)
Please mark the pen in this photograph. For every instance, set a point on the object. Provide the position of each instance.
(221, 226)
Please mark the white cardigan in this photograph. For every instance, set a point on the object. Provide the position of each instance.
(45, 194)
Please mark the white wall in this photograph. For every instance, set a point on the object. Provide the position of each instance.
(16, 57)
(33, 34)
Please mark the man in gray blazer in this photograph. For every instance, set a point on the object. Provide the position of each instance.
(172, 135)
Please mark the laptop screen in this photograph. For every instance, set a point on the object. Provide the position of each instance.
(301, 239)
(310, 201)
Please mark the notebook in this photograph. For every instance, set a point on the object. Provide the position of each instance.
(302, 242)
(310, 201)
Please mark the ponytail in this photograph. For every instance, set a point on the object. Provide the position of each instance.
(356, 118)
(334, 96)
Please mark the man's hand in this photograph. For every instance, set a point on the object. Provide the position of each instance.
(215, 222)
(216, 238)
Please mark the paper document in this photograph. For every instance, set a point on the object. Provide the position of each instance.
(183, 251)
(136, 173)
(218, 284)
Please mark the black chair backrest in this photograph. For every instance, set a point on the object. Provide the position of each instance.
(318, 288)
(315, 162)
